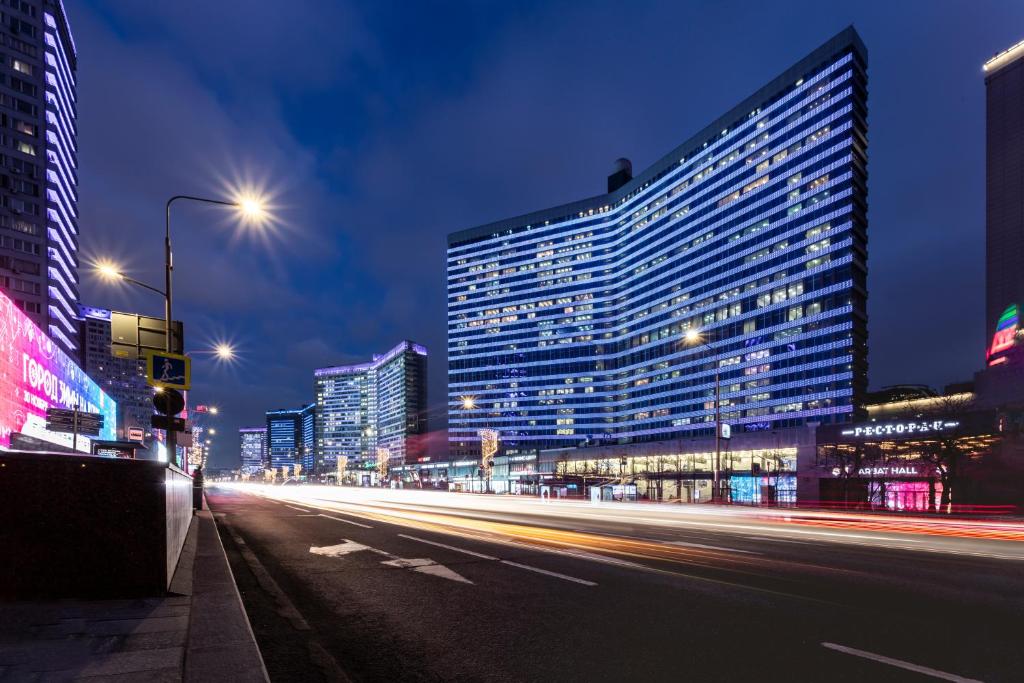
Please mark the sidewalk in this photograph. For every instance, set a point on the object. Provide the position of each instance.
(198, 632)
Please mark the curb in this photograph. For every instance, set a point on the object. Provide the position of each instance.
(221, 643)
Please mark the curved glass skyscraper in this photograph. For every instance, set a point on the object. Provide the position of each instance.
(567, 325)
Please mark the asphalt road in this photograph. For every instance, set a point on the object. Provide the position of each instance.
(377, 585)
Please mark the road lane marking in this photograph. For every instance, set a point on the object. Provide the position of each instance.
(495, 559)
(899, 663)
(548, 573)
(339, 550)
(450, 547)
(425, 566)
(295, 508)
(713, 547)
(422, 565)
(347, 521)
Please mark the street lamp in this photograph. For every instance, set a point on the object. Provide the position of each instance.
(109, 271)
(250, 208)
(693, 336)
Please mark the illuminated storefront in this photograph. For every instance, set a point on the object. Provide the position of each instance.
(36, 374)
(913, 464)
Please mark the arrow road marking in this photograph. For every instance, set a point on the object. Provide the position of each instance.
(508, 562)
(420, 564)
(339, 550)
(425, 566)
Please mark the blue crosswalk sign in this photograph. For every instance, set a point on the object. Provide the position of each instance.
(168, 370)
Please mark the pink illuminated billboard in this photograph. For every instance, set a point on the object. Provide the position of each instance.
(34, 375)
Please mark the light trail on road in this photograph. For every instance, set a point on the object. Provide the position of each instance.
(554, 525)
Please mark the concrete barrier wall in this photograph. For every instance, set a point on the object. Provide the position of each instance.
(178, 515)
(82, 526)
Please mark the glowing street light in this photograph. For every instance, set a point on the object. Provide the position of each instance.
(224, 351)
(468, 402)
(694, 336)
(251, 208)
(109, 271)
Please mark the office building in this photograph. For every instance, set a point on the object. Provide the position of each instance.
(288, 439)
(39, 167)
(123, 379)
(364, 407)
(1004, 191)
(567, 326)
(307, 458)
(252, 449)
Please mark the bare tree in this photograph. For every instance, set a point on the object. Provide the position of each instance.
(947, 452)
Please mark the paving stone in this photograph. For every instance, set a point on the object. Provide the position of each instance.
(129, 662)
(126, 626)
(172, 675)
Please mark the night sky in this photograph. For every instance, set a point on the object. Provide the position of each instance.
(379, 127)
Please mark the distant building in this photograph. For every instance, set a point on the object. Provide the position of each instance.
(368, 406)
(567, 326)
(288, 437)
(307, 457)
(124, 379)
(252, 448)
(1004, 191)
(38, 168)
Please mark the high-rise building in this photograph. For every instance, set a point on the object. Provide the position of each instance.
(252, 448)
(39, 167)
(124, 379)
(1004, 186)
(568, 325)
(288, 437)
(307, 457)
(368, 406)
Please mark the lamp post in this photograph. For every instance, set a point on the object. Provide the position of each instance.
(249, 209)
(693, 336)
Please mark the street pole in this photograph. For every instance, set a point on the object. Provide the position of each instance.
(718, 436)
(172, 436)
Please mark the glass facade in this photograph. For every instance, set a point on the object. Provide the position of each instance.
(39, 167)
(366, 406)
(567, 326)
(252, 448)
(289, 438)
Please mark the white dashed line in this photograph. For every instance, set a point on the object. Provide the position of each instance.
(346, 521)
(450, 547)
(548, 573)
(295, 508)
(899, 663)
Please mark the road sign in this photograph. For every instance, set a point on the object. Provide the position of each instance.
(168, 370)
(72, 421)
(164, 422)
(169, 402)
(132, 335)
